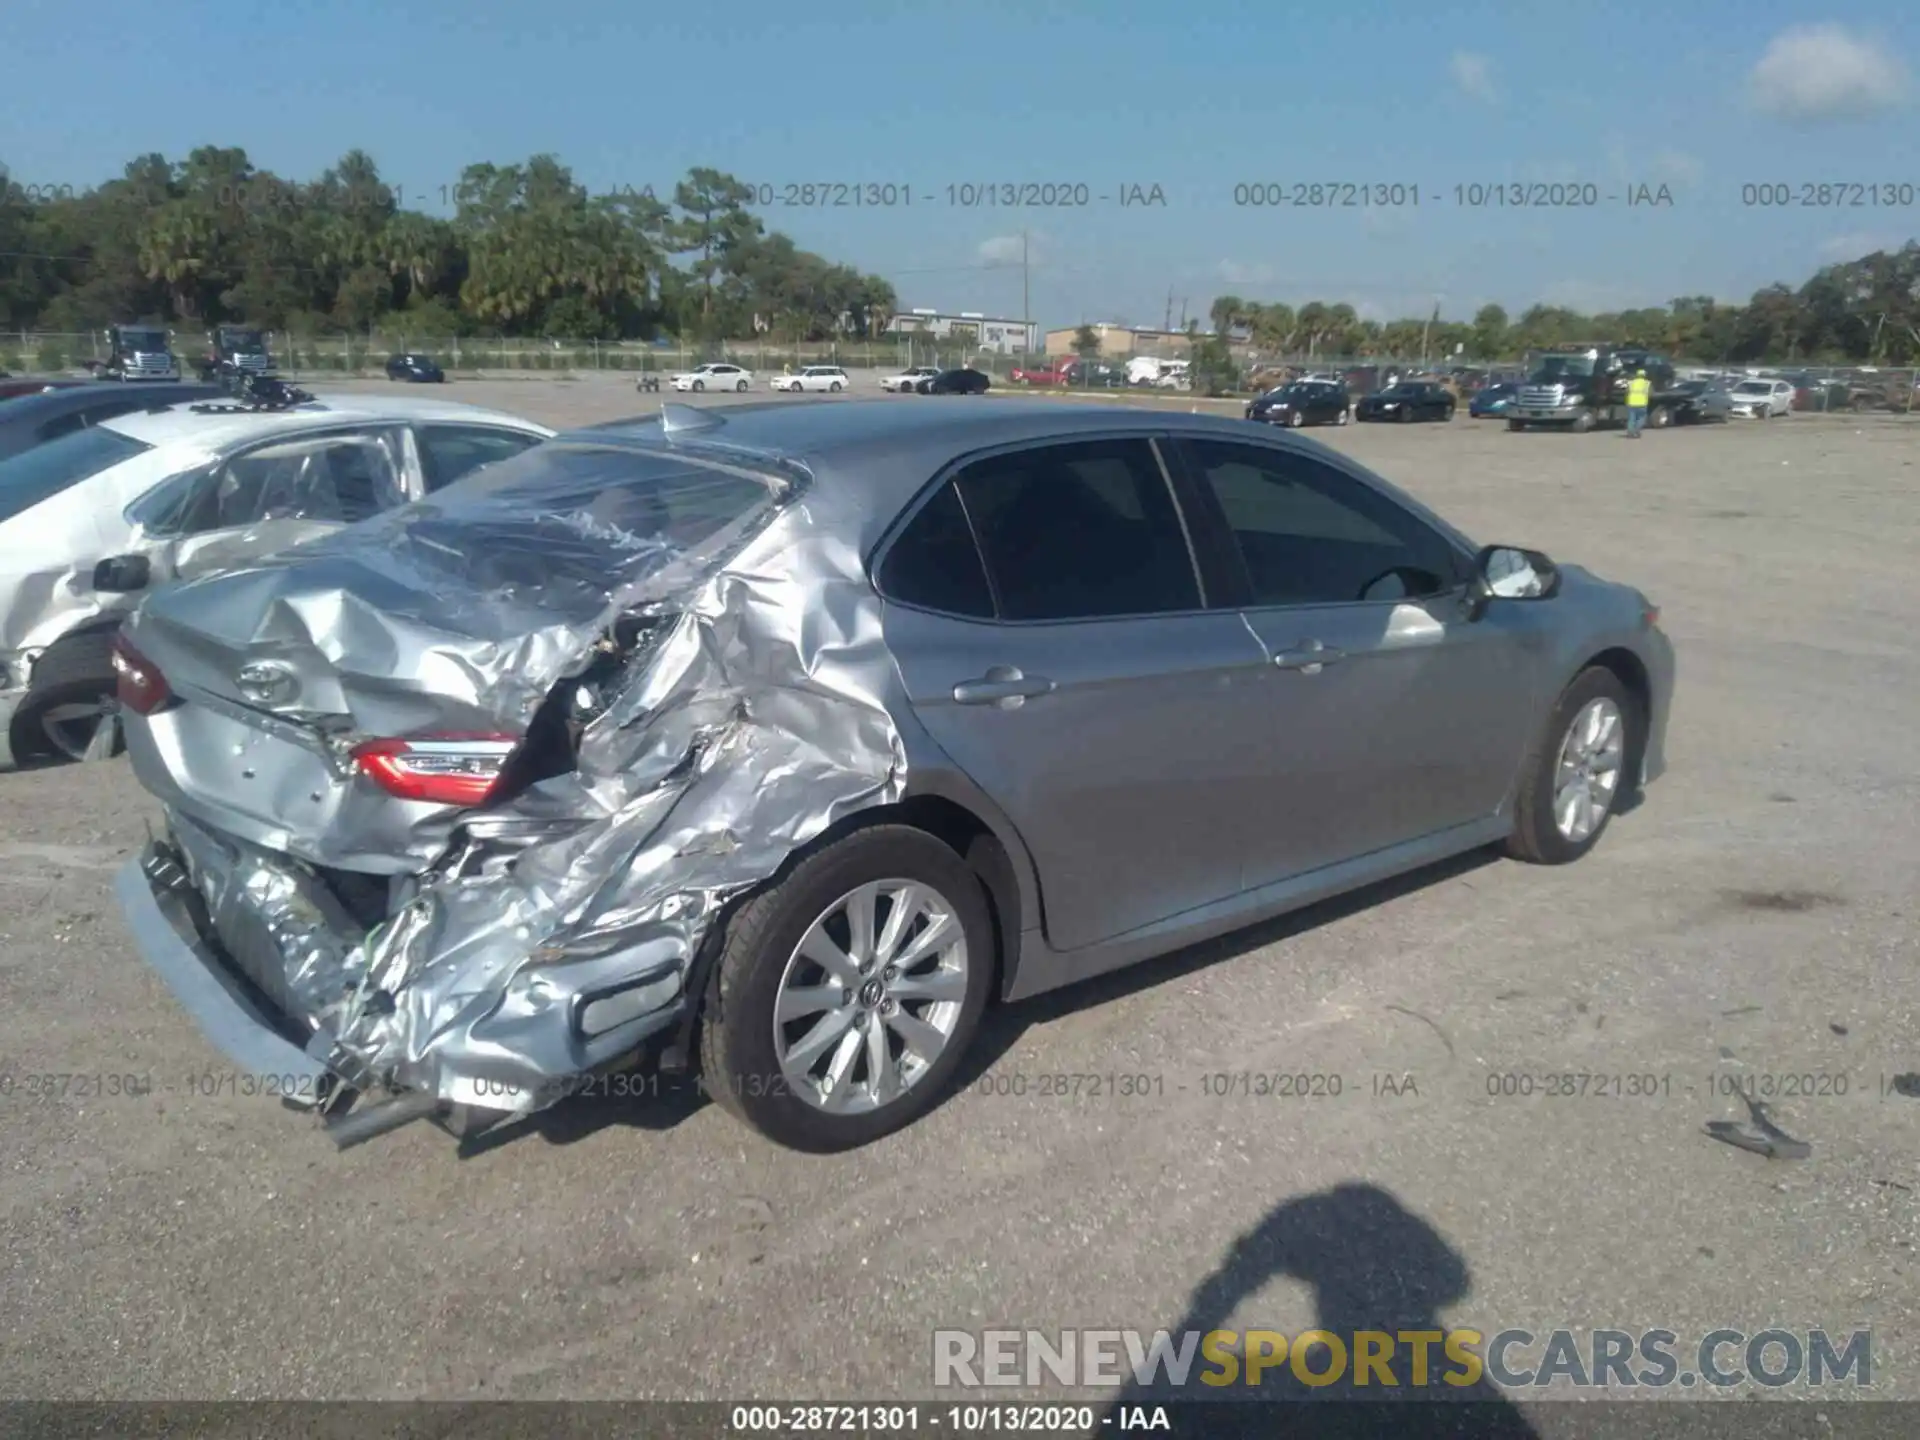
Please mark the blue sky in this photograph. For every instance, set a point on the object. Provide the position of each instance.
(1194, 98)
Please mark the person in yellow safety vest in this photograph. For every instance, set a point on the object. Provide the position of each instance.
(1639, 389)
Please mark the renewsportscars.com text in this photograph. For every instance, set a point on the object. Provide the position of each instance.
(1380, 1359)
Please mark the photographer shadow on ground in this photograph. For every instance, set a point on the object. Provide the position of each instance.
(1373, 1265)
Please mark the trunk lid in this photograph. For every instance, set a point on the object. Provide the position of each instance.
(455, 617)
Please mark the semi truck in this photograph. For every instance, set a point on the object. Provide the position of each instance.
(1576, 387)
(137, 352)
(235, 353)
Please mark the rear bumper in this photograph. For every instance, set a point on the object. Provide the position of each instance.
(164, 932)
(513, 1046)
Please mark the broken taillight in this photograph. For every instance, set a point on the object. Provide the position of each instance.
(137, 682)
(437, 769)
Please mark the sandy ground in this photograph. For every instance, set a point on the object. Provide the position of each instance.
(1754, 918)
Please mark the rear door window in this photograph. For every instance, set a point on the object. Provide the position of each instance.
(1083, 530)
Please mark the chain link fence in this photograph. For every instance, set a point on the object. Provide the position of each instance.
(1829, 388)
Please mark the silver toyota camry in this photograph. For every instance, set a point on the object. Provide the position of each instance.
(776, 744)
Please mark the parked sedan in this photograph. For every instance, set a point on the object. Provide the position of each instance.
(1304, 402)
(1491, 400)
(828, 379)
(30, 420)
(908, 380)
(1701, 402)
(421, 369)
(963, 381)
(95, 520)
(1762, 399)
(1409, 400)
(714, 376)
(565, 766)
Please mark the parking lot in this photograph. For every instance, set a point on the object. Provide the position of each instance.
(1754, 918)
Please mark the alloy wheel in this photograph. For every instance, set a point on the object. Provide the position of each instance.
(82, 729)
(1587, 777)
(870, 997)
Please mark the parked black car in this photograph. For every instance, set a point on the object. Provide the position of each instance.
(30, 419)
(418, 368)
(1096, 375)
(1304, 402)
(1409, 400)
(1698, 402)
(963, 381)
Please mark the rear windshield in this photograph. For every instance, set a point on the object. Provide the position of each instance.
(41, 473)
(568, 526)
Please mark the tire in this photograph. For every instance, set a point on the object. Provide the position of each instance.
(834, 389)
(740, 1065)
(1537, 837)
(1448, 416)
(1296, 420)
(1583, 422)
(699, 384)
(74, 672)
(741, 387)
(1345, 416)
(1659, 418)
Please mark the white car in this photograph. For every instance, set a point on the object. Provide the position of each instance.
(907, 381)
(1762, 399)
(93, 521)
(830, 378)
(714, 376)
(1175, 375)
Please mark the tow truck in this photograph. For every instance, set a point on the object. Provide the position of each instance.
(1577, 387)
(235, 353)
(137, 352)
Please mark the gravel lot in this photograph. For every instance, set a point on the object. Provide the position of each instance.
(1755, 917)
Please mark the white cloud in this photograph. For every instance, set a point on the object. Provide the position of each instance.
(1857, 244)
(1473, 74)
(1826, 72)
(1009, 250)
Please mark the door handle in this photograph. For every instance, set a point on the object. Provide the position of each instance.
(1309, 657)
(1003, 686)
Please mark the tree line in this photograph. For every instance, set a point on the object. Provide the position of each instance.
(1864, 311)
(527, 251)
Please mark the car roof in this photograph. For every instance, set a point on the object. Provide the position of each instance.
(213, 430)
(873, 456)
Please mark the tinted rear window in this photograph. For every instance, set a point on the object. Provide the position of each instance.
(41, 473)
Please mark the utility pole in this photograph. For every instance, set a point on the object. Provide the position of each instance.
(1026, 295)
(1167, 324)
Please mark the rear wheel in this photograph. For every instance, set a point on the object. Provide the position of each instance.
(68, 713)
(699, 384)
(835, 387)
(1583, 422)
(847, 993)
(1659, 417)
(1297, 419)
(741, 386)
(1577, 775)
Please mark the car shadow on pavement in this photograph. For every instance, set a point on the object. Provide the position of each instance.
(648, 1100)
(1373, 1266)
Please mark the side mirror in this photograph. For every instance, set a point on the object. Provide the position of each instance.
(122, 574)
(1507, 572)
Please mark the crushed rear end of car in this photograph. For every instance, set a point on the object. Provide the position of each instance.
(454, 797)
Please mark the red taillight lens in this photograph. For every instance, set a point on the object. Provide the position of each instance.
(437, 769)
(137, 682)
